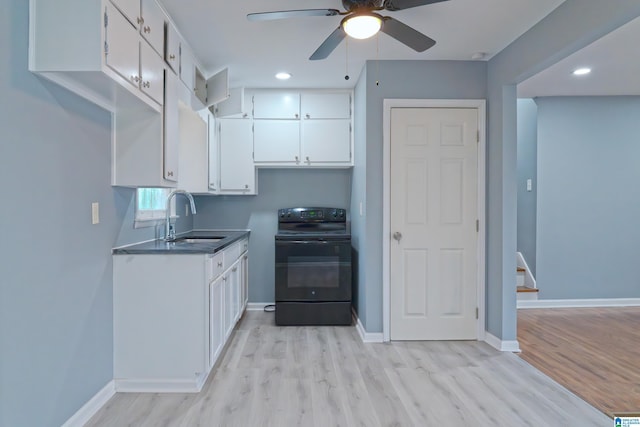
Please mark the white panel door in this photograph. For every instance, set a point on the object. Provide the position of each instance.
(123, 55)
(151, 73)
(433, 250)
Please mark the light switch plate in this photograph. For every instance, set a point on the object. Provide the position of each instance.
(95, 213)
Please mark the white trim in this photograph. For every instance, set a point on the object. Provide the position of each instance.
(529, 280)
(258, 306)
(580, 303)
(498, 344)
(168, 385)
(89, 409)
(366, 337)
(388, 104)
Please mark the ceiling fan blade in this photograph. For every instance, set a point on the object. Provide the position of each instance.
(284, 14)
(329, 44)
(406, 4)
(407, 35)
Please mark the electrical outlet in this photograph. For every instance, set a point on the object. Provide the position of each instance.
(95, 213)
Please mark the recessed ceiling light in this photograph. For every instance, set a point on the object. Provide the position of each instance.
(581, 71)
(283, 76)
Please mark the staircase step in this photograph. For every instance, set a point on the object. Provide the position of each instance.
(526, 289)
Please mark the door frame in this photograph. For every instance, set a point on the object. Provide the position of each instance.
(388, 104)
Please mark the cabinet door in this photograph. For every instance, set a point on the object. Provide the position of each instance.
(193, 151)
(214, 165)
(123, 49)
(228, 304)
(187, 67)
(152, 73)
(234, 106)
(326, 141)
(236, 294)
(326, 106)
(171, 138)
(172, 49)
(130, 9)
(153, 25)
(276, 141)
(276, 105)
(237, 171)
(216, 319)
(244, 281)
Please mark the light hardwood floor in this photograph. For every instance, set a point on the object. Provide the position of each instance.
(594, 352)
(326, 376)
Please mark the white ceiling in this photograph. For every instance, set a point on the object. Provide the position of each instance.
(221, 36)
(615, 65)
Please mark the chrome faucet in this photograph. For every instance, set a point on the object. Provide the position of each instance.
(169, 231)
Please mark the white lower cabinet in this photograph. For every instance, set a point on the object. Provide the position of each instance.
(173, 315)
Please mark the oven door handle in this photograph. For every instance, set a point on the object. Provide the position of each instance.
(305, 242)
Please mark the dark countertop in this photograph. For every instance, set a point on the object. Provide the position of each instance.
(160, 247)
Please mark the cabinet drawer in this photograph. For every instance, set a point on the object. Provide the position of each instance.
(244, 245)
(232, 254)
(215, 265)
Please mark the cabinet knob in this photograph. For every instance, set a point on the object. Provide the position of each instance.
(297, 160)
(297, 115)
(172, 57)
(224, 278)
(170, 173)
(139, 20)
(219, 264)
(308, 161)
(135, 78)
(147, 29)
(234, 269)
(146, 84)
(245, 115)
(308, 116)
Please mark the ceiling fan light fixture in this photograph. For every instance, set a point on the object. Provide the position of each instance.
(362, 26)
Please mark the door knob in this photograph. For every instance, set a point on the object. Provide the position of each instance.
(397, 235)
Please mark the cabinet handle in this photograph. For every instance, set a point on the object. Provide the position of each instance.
(170, 173)
(219, 264)
(245, 257)
(246, 186)
(308, 116)
(297, 160)
(297, 115)
(308, 161)
(224, 278)
(135, 78)
(234, 269)
(146, 84)
(147, 29)
(172, 57)
(140, 20)
(245, 115)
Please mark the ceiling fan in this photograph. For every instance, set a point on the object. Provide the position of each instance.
(360, 21)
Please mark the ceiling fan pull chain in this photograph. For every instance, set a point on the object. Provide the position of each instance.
(377, 59)
(346, 62)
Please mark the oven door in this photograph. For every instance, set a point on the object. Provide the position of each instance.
(313, 270)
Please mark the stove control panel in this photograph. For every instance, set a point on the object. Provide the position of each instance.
(312, 215)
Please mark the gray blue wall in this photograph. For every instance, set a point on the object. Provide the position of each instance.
(589, 197)
(573, 25)
(277, 188)
(398, 79)
(56, 339)
(527, 169)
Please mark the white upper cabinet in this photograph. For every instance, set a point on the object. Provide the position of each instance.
(234, 106)
(172, 48)
(237, 170)
(276, 105)
(326, 142)
(214, 158)
(187, 67)
(131, 10)
(123, 54)
(193, 151)
(276, 141)
(317, 105)
(151, 73)
(153, 25)
(171, 120)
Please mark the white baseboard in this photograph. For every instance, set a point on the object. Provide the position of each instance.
(89, 409)
(498, 344)
(169, 385)
(580, 303)
(258, 306)
(366, 337)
